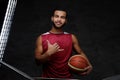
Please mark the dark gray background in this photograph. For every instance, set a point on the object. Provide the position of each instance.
(94, 22)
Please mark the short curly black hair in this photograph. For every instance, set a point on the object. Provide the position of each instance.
(61, 8)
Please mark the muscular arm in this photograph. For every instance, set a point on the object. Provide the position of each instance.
(79, 51)
(42, 56)
(39, 55)
(77, 47)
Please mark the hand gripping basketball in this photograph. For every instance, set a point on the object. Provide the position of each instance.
(78, 63)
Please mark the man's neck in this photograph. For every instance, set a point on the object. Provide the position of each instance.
(54, 30)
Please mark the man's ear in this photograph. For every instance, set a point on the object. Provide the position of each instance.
(52, 18)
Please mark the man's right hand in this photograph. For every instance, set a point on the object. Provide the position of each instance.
(53, 48)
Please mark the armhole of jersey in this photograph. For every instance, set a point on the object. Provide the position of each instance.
(66, 33)
(46, 33)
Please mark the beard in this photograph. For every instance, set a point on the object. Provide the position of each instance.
(56, 26)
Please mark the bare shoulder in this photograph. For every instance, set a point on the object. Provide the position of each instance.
(74, 36)
(74, 39)
(39, 39)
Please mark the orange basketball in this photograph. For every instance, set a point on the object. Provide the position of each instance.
(78, 63)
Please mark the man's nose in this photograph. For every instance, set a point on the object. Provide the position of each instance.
(59, 18)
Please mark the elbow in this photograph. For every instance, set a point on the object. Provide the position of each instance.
(38, 60)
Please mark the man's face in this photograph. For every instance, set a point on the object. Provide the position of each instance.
(59, 19)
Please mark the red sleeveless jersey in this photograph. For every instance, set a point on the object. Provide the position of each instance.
(57, 66)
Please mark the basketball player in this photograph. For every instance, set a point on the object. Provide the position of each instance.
(54, 48)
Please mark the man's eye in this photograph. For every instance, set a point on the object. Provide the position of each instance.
(56, 16)
(63, 17)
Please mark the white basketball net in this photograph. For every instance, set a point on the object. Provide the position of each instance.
(6, 25)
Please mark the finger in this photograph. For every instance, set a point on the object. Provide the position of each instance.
(83, 73)
(89, 70)
(48, 41)
(55, 44)
(88, 67)
(60, 49)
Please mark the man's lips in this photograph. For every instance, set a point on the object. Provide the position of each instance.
(58, 23)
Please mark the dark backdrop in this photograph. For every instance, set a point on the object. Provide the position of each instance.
(95, 23)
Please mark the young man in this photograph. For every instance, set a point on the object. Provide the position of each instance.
(54, 48)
